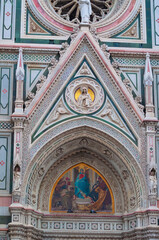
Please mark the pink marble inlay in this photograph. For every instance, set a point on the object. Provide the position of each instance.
(42, 12)
(111, 25)
(2, 163)
(8, 14)
(4, 91)
(5, 201)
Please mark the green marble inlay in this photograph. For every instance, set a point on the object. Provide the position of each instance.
(5, 219)
(119, 35)
(37, 133)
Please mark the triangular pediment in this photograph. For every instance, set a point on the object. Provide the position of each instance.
(82, 91)
(84, 70)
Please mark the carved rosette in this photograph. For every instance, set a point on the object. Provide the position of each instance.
(84, 95)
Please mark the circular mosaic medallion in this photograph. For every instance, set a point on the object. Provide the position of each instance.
(84, 95)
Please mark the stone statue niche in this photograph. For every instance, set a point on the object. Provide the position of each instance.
(17, 181)
(152, 181)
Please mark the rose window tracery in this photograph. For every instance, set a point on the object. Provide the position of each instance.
(69, 9)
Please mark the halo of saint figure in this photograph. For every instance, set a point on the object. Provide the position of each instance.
(81, 189)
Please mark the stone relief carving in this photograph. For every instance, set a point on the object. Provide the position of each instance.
(105, 49)
(132, 202)
(34, 27)
(116, 67)
(53, 64)
(40, 83)
(110, 113)
(94, 33)
(84, 100)
(34, 198)
(84, 70)
(131, 32)
(64, 47)
(138, 100)
(30, 97)
(83, 142)
(107, 152)
(125, 174)
(59, 110)
(41, 172)
(84, 95)
(127, 84)
(74, 35)
(59, 152)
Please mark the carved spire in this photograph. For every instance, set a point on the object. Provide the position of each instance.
(20, 66)
(19, 84)
(148, 79)
(18, 119)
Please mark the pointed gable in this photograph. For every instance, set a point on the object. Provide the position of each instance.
(84, 63)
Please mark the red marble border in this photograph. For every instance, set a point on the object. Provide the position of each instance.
(49, 47)
(85, 215)
(31, 46)
(45, 15)
(5, 201)
(118, 21)
(60, 66)
(118, 83)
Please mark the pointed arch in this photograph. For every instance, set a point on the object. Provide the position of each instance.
(88, 193)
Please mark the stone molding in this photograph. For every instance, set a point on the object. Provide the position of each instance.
(26, 222)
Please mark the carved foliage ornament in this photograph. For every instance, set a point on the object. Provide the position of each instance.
(84, 95)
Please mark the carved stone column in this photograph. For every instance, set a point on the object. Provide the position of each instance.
(151, 123)
(18, 119)
(17, 163)
(151, 163)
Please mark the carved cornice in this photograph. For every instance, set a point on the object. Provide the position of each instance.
(36, 225)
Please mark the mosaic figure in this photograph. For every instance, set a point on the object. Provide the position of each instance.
(81, 189)
(82, 185)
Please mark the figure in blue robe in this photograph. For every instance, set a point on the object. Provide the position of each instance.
(82, 185)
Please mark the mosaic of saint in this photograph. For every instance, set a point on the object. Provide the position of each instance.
(81, 189)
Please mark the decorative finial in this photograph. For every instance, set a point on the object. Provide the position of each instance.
(148, 77)
(20, 66)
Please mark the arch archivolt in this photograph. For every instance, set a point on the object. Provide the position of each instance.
(101, 152)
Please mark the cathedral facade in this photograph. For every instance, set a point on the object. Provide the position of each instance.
(79, 110)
